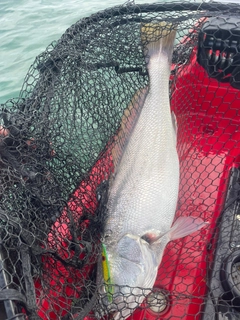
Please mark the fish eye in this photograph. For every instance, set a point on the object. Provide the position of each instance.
(107, 234)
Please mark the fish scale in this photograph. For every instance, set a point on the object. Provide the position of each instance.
(148, 160)
(143, 191)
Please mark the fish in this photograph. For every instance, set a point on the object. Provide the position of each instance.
(143, 189)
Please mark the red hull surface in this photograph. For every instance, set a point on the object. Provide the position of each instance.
(208, 146)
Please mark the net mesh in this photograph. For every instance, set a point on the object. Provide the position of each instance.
(56, 161)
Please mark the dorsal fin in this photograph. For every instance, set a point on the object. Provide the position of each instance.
(128, 121)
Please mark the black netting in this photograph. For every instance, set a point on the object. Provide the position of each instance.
(60, 146)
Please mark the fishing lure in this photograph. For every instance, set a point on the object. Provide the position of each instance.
(106, 274)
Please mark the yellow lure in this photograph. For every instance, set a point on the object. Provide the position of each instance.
(106, 273)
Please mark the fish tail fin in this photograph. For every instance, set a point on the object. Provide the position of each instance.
(158, 38)
(184, 226)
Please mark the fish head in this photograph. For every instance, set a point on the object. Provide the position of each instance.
(132, 270)
(131, 264)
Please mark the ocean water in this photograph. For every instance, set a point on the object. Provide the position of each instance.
(27, 27)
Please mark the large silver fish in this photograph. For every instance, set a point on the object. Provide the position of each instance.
(144, 189)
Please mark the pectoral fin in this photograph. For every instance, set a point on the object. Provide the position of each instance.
(184, 226)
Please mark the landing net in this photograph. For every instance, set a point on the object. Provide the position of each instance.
(56, 162)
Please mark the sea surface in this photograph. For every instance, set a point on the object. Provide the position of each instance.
(27, 27)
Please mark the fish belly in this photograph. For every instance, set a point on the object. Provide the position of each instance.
(144, 192)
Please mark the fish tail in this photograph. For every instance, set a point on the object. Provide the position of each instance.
(158, 38)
